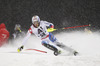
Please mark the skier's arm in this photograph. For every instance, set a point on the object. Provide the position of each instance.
(25, 39)
(48, 24)
(27, 36)
(50, 27)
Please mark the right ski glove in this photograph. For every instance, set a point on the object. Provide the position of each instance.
(51, 29)
(20, 48)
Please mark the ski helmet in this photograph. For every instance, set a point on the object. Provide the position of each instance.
(35, 18)
(17, 26)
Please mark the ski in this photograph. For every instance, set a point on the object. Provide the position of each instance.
(37, 50)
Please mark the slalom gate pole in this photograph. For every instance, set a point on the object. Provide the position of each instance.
(37, 50)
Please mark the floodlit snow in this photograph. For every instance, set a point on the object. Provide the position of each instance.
(88, 46)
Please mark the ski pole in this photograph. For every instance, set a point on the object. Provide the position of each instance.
(76, 26)
(51, 30)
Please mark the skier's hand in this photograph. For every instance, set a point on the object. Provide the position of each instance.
(20, 48)
(51, 29)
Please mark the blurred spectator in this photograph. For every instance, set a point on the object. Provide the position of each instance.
(4, 34)
(87, 30)
(18, 31)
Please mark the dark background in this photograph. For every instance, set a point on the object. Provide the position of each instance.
(63, 13)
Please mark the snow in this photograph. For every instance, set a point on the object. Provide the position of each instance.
(88, 45)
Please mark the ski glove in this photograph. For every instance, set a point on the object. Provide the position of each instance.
(20, 48)
(51, 29)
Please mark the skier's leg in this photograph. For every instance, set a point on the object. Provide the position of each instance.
(61, 45)
(51, 47)
(55, 41)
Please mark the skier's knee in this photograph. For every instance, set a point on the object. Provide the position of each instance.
(44, 43)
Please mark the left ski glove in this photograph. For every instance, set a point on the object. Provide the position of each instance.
(20, 48)
(51, 29)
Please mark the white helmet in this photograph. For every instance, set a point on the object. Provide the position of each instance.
(17, 26)
(35, 18)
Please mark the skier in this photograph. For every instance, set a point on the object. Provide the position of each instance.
(39, 28)
(87, 30)
(18, 32)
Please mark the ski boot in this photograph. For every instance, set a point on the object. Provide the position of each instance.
(75, 53)
(57, 52)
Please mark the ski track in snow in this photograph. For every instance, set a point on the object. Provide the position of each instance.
(88, 46)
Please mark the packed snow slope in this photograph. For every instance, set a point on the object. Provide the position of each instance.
(88, 46)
